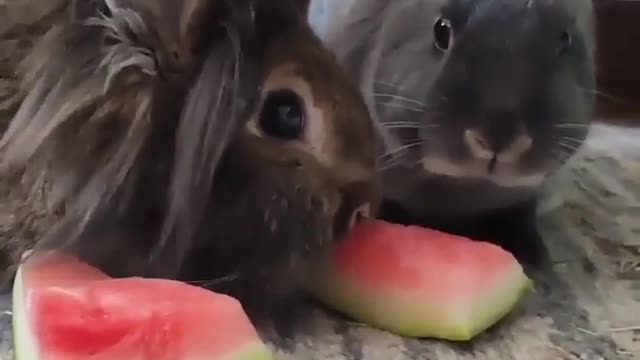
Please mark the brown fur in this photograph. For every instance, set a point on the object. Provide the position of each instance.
(145, 113)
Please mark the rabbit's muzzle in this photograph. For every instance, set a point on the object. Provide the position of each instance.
(277, 214)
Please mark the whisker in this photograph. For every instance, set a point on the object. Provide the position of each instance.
(566, 146)
(387, 164)
(404, 147)
(571, 126)
(395, 86)
(211, 282)
(387, 167)
(574, 140)
(402, 122)
(392, 164)
(401, 98)
(408, 125)
(398, 106)
(602, 94)
(400, 160)
(411, 126)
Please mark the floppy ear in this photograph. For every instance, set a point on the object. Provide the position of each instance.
(183, 27)
(104, 87)
(104, 50)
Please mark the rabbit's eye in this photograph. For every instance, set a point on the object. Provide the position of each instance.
(442, 34)
(282, 115)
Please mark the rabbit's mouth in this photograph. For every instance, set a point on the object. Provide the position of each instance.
(358, 202)
(271, 224)
(301, 225)
(303, 237)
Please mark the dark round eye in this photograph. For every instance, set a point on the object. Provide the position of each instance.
(282, 115)
(442, 34)
(565, 42)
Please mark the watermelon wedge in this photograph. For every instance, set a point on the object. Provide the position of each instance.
(66, 310)
(418, 282)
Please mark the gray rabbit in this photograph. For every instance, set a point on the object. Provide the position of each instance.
(476, 102)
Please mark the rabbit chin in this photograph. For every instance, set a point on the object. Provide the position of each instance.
(503, 175)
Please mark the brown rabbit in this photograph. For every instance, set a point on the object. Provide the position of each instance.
(193, 139)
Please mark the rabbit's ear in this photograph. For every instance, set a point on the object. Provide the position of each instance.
(103, 50)
(96, 89)
(183, 27)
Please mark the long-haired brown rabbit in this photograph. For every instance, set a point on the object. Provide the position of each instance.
(193, 138)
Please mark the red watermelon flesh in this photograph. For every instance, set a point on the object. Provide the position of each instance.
(419, 282)
(67, 310)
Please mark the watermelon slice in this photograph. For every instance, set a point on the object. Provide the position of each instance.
(418, 282)
(66, 310)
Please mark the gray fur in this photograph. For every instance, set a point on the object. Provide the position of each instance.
(422, 99)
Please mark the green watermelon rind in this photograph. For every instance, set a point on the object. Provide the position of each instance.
(25, 348)
(409, 318)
